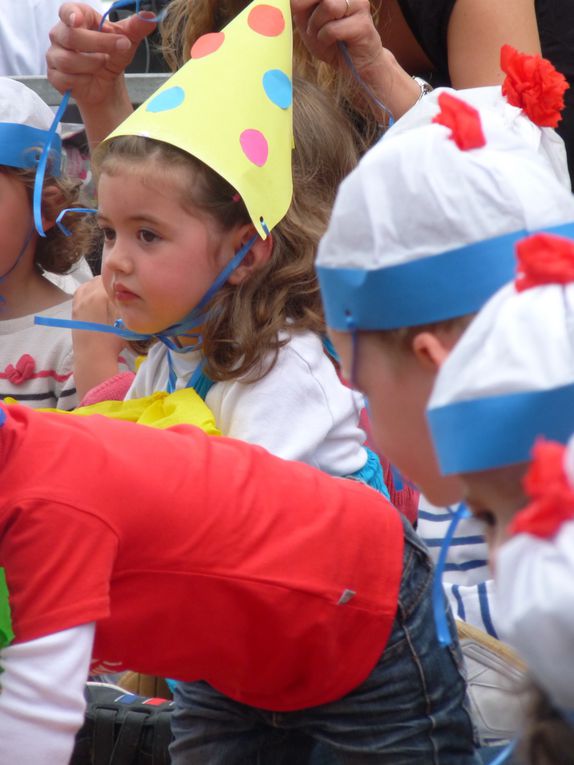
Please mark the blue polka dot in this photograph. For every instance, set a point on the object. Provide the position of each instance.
(278, 88)
(167, 100)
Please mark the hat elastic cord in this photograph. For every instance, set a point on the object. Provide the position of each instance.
(42, 164)
(438, 596)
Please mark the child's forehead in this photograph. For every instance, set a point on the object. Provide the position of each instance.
(174, 180)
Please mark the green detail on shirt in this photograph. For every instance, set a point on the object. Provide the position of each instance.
(6, 633)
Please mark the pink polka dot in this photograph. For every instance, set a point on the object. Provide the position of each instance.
(266, 20)
(207, 44)
(255, 147)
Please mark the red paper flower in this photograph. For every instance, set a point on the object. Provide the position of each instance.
(544, 259)
(534, 85)
(463, 121)
(552, 495)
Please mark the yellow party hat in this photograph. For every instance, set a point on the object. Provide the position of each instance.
(230, 106)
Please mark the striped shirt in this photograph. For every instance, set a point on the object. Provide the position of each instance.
(467, 579)
(36, 362)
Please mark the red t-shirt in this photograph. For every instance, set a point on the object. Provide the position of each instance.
(197, 557)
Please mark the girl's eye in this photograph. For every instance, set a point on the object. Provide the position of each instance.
(148, 236)
(109, 233)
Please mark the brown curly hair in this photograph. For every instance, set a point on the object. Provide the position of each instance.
(241, 335)
(56, 252)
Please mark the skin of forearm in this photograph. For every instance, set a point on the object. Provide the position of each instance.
(100, 119)
(391, 84)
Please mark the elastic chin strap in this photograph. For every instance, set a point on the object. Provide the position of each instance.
(184, 328)
(438, 596)
(4, 276)
(43, 162)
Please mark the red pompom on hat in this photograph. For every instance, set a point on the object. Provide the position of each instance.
(544, 259)
(533, 85)
(463, 121)
(552, 495)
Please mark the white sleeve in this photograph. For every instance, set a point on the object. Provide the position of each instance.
(298, 411)
(535, 599)
(42, 700)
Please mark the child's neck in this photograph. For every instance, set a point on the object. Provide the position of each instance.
(27, 292)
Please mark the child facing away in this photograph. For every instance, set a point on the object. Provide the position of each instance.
(36, 365)
(182, 241)
(507, 384)
(421, 236)
(302, 600)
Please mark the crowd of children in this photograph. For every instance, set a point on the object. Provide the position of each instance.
(256, 262)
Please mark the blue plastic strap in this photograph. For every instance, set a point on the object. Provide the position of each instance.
(22, 145)
(43, 163)
(63, 213)
(486, 433)
(438, 596)
(362, 84)
(194, 319)
(439, 287)
(505, 754)
(2, 416)
(18, 258)
(51, 135)
(89, 326)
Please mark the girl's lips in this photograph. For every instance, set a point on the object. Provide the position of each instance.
(122, 294)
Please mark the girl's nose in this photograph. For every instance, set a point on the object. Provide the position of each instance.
(116, 257)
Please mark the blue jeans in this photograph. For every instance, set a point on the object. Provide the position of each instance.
(411, 710)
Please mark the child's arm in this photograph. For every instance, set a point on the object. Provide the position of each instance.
(95, 353)
(42, 702)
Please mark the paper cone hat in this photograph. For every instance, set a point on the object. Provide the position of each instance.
(231, 107)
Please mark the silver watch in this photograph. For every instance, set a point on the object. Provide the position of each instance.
(424, 86)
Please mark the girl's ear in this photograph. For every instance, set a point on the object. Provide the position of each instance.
(257, 257)
(52, 202)
(430, 351)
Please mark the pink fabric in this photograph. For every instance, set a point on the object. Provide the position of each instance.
(113, 389)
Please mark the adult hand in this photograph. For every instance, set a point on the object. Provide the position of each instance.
(324, 24)
(90, 62)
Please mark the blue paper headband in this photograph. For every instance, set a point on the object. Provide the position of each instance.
(488, 433)
(436, 288)
(22, 145)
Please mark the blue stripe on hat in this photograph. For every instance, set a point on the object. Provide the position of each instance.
(435, 288)
(21, 146)
(489, 433)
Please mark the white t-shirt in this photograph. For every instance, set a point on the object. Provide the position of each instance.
(24, 30)
(36, 362)
(299, 411)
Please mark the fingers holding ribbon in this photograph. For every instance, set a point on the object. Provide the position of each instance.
(324, 24)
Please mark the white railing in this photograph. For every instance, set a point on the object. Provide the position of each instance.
(140, 86)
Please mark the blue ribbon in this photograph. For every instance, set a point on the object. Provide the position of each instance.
(195, 318)
(344, 51)
(51, 133)
(438, 596)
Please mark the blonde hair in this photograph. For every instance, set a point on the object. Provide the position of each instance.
(187, 20)
(56, 252)
(241, 334)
